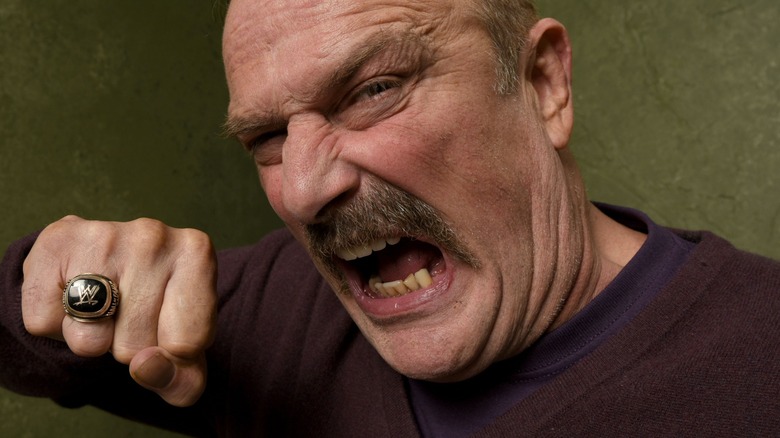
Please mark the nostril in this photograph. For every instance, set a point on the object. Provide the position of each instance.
(340, 200)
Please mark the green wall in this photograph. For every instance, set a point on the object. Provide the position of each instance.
(677, 109)
(111, 110)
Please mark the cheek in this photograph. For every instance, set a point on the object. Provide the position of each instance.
(447, 159)
(415, 153)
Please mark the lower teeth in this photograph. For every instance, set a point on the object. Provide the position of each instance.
(419, 280)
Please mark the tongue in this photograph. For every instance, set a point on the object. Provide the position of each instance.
(407, 257)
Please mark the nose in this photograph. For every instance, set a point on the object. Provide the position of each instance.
(315, 175)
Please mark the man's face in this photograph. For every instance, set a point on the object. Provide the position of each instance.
(377, 122)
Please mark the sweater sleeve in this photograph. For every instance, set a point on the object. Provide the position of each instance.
(29, 365)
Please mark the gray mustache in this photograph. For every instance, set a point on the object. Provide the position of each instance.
(382, 211)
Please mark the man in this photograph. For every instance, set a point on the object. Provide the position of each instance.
(418, 152)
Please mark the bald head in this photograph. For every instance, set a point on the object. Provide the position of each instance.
(507, 22)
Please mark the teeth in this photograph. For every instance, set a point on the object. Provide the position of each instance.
(411, 283)
(377, 286)
(397, 286)
(419, 280)
(423, 278)
(364, 251)
(346, 254)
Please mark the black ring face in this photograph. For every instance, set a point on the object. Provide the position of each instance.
(89, 297)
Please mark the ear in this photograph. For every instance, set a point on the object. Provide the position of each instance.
(548, 70)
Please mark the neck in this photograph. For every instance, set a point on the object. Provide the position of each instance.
(607, 247)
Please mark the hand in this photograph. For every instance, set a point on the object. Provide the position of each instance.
(167, 309)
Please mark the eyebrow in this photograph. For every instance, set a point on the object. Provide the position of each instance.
(353, 61)
(236, 126)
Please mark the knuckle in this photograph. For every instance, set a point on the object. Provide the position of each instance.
(194, 345)
(148, 237)
(40, 326)
(189, 339)
(130, 339)
(195, 250)
(65, 222)
(87, 343)
(38, 319)
(56, 232)
(182, 349)
(196, 241)
(149, 230)
(99, 237)
(148, 225)
(86, 349)
(124, 352)
(67, 235)
(31, 292)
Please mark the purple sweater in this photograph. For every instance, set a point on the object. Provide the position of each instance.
(457, 410)
(701, 359)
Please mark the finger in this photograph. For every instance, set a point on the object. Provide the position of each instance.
(88, 339)
(138, 315)
(145, 275)
(179, 382)
(88, 251)
(42, 310)
(188, 314)
(64, 249)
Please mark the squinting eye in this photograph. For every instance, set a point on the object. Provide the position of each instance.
(374, 89)
(372, 101)
(267, 148)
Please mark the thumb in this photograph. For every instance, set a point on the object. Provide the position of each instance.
(178, 381)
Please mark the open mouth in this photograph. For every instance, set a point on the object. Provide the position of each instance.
(393, 267)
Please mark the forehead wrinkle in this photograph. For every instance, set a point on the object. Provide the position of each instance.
(414, 34)
(354, 59)
(352, 62)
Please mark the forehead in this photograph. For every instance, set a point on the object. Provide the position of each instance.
(268, 24)
(282, 42)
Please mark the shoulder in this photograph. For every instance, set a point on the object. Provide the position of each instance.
(718, 264)
(723, 307)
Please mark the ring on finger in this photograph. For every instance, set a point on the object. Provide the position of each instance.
(90, 297)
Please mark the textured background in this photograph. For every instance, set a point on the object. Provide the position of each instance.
(111, 110)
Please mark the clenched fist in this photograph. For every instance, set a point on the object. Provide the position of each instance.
(167, 310)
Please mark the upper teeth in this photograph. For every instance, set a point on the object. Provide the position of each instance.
(366, 250)
(414, 281)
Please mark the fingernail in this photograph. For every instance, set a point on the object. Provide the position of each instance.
(157, 372)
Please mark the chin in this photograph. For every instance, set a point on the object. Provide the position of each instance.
(427, 358)
(435, 372)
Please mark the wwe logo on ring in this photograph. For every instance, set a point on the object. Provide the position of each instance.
(87, 295)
